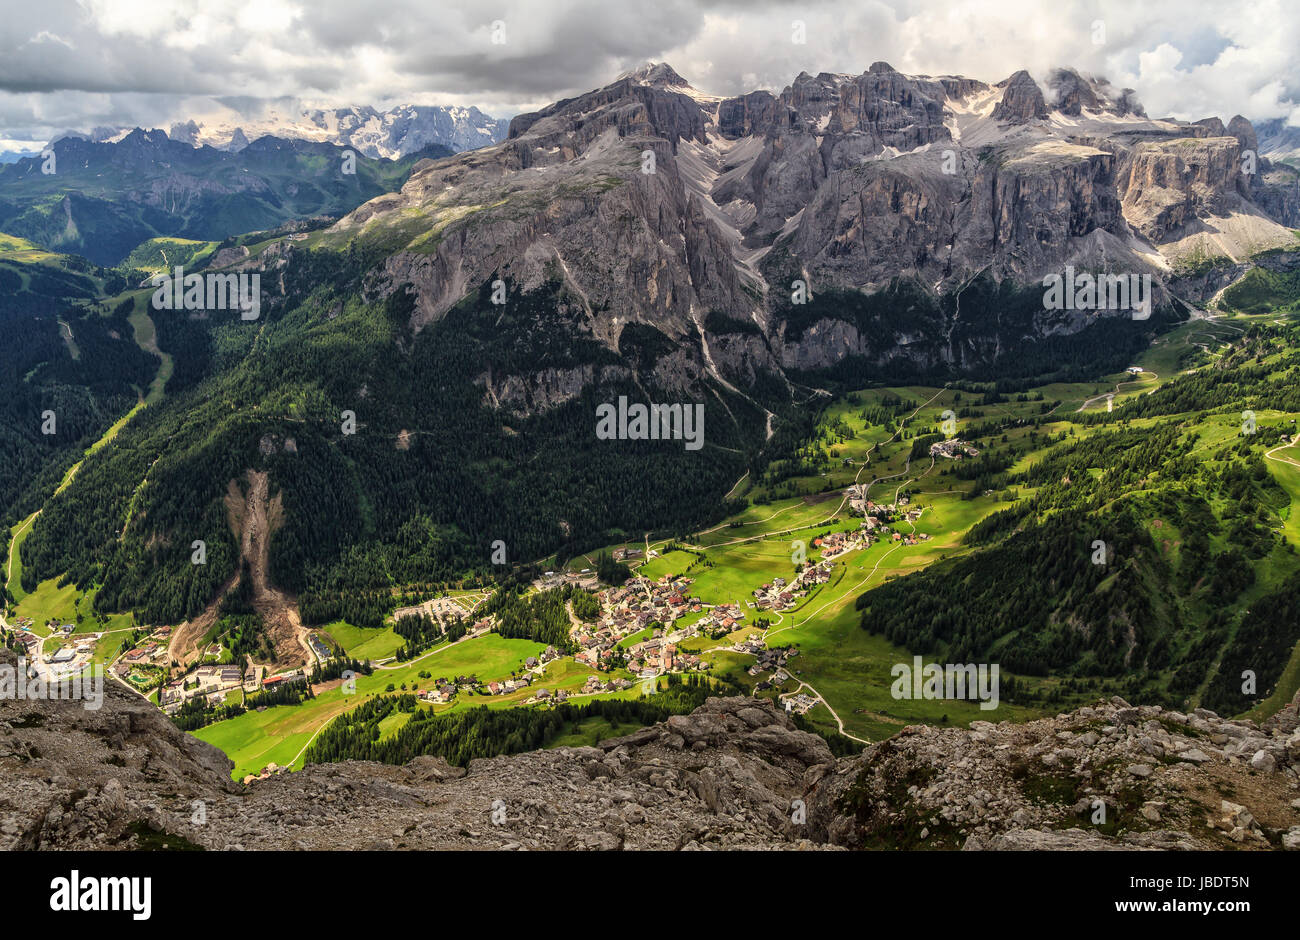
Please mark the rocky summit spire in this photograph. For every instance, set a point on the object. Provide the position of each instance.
(1022, 102)
(656, 75)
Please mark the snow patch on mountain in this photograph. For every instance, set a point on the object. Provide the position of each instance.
(391, 134)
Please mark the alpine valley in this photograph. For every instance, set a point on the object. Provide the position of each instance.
(338, 531)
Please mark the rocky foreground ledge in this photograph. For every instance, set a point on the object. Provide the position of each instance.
(734, 774)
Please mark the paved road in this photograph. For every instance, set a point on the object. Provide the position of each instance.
(1120, 385)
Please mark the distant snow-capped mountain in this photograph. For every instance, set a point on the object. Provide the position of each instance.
(374, 133)
(393, 134)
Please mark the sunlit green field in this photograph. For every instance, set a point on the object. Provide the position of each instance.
(361, 643)
(17, 535)
(281, 733)
(846, 668)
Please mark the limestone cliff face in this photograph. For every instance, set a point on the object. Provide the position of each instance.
(830, 340)
(546, 389)
(735, 773)
(1276, 190)
(757, 112)
(1040, 201)
(649, 202)
(872, 220)
(1170, 184)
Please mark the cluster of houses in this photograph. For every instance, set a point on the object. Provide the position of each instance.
(22, 631)
(507, 686)
(770, 661)
(70, 660)
(29, 643)
(59, 661)
(546, 695)
(586, 579)
(877, 518)
(216, 682)
(152, 651)
(777, 594)
(593, 686)
(643, 604)
(54, 626)
(660, 654)
(910, 539)
(445, 690)
(147, 653)
(254, 684)
(596, 684)
(720, 620)
(630, 609)
(800, 702)
(445, 610)
(953, 449)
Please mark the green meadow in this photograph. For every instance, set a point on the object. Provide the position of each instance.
(847, 669)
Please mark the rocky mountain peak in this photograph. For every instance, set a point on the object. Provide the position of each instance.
(655, 75)
(1244, 131)
(1213, 127)
(1073, 92)
(1022, 101)
(840, 178)
(652, 101)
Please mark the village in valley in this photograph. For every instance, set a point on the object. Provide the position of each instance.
(762, 601)
(644, 630)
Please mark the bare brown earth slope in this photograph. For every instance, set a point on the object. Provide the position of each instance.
(254, 516)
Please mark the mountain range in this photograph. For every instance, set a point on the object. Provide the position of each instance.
(880, 182)
(392, 134)
(102, 199)
(1279, 141)
(470, 311)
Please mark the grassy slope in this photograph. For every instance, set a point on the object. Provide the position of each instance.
(840, 661)
(49, 600)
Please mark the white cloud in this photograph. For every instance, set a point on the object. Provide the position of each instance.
(45, 36)
(95, 62)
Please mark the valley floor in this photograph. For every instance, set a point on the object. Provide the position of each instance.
(841, 675)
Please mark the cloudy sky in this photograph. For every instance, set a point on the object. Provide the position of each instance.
(80, 64)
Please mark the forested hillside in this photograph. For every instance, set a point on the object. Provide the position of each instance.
(486, 732)
(432, 476)
(1196, 581)
(102, 200)
(61, 354)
